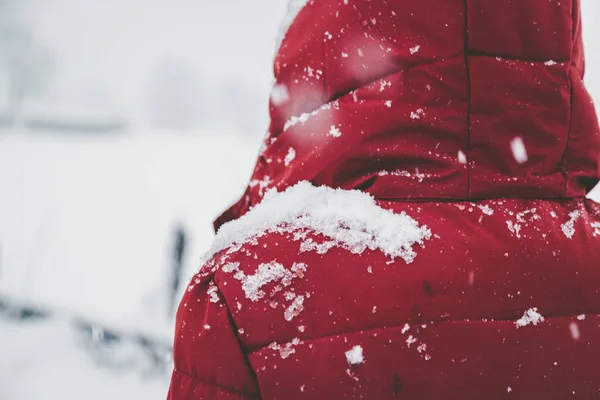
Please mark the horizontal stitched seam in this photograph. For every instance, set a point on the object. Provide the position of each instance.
(515, 59)
(434, 321)
(378, 78)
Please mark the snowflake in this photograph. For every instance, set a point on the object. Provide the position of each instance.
(530, 316)
(355, 355)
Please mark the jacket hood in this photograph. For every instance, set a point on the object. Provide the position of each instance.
(430, 101)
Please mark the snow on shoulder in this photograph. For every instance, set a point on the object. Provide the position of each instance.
(349, 218)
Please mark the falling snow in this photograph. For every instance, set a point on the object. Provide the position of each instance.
(279, 95)
(518, 150)
(291, 154)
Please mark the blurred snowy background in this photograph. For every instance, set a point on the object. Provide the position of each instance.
(126, 126)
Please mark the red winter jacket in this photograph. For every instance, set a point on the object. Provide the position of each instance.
(471, 118)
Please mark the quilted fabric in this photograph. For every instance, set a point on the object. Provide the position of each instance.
(471, 117)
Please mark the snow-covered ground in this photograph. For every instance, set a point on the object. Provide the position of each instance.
(87, 222)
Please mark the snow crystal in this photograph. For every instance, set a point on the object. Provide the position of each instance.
(530, 316)
(568, 227)
(405, 328)
(581, 317)
(279, 95)
(514, 228)
(596, 227)
(462, 157)
(265, 274)
(230, 267)
(207, 327)
(518, 150)
(355, 355)
(411, 340)
(212, 293)
(418, 176)
(291, 154)
(384, 84)
(509, 389)
(417, 114)
(294, 309)
(286, 350)
(320, 248)
(486, 209)
(335, 132)
(388, 103)
(350, 218)
(344, 55)
(550, 63)
(415, 49)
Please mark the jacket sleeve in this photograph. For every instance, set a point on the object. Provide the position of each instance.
(209, 361)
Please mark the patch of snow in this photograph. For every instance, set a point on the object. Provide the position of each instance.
(486, 209)
(417, 114)
(405, 329)
(530, 316)
(518, 150)
(335, 132)
(384, 84)
(550, 63)
(294, 309)
(568, 227)
(350, 218)
(596, 227)
(514, 228)
(286, 350)
(355, 355)
(320, 248)
(304, 117)
(290, 156)
(267, 273)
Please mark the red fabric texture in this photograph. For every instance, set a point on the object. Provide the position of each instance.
(417, 103)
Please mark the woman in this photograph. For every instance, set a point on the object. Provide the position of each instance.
(460, 260)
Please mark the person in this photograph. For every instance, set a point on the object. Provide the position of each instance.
(417, 225)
